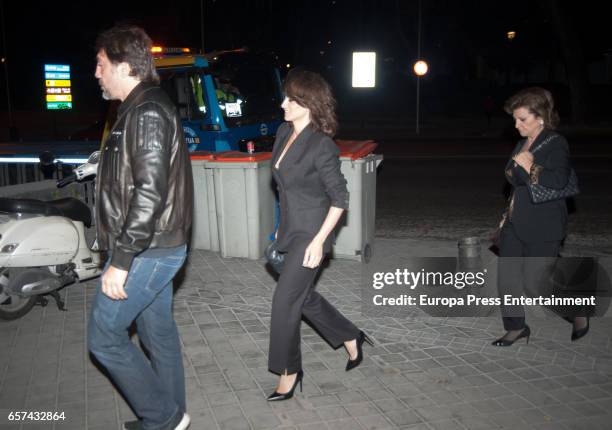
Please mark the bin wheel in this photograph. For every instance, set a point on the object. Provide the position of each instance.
(366, 253)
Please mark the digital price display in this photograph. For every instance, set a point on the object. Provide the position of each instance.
(58, 92)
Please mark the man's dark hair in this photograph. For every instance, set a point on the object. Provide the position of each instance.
(129, 44)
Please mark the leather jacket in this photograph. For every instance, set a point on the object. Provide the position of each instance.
(144, 189)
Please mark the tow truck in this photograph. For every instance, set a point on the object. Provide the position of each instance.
(227, 100)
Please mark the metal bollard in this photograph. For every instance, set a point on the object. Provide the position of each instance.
(470, 258)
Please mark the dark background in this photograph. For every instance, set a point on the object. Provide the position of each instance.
(563, 46)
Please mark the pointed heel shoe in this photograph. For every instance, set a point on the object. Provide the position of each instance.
(577, 334)
(351, 364)
(506, 342)
(276, 396)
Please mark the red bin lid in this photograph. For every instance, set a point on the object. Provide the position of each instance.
(355, 149)
(242, 157)
(202, 155)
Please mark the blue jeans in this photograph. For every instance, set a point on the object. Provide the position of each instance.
(155, 389)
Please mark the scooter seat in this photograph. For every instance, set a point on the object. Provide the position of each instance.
(68, 207)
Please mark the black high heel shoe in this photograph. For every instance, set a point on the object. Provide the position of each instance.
(351, 364)
(506, 342)
(276, 396)
(577, 334)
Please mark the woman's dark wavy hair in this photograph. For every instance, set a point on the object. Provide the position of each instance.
(129, 44)
(311, 91)
(536, 100)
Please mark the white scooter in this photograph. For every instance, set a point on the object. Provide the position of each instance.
(43, 247)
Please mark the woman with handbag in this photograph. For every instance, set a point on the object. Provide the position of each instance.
(313, 196)
(536, 222)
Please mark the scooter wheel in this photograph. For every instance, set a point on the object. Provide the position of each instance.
(13, 307)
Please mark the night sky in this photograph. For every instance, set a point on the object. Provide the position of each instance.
(460, 39)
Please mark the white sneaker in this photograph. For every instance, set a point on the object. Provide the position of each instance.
(184, 424)
(137, 424)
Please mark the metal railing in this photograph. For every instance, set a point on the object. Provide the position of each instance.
(21, 173)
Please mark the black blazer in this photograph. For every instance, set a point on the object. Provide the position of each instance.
(309, 182)
(543, 221)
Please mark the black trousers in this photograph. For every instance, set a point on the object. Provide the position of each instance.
(294, 299)
(516, 273)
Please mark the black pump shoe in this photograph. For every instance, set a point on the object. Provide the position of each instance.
(577, 334)
(276, 396)
(506, 342)
(351, 364)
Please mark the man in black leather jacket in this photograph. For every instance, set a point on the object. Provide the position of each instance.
(145, 204)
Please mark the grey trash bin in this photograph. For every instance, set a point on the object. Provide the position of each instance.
(244, 201)
(355, 234)
(204, 231)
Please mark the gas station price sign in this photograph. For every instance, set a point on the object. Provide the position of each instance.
(58, 91)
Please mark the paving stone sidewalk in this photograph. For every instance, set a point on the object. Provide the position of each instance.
(423, 373)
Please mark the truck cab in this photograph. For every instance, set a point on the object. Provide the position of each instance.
(225, 99)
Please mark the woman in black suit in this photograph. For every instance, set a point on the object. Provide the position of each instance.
(313, 195)
(532, 229)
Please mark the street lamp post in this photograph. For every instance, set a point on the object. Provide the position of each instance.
(5, 60)
(420, 69)
(202, 25)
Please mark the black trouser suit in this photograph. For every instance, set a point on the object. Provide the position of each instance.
(295, 299)
(309, 181)
(532, 235)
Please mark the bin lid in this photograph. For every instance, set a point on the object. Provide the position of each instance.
(242, 157)
(355, 149)
(202, 155)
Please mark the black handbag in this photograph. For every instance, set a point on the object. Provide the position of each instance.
(275, 258)
(540, 193)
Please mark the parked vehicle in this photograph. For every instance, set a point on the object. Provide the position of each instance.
(228, 100)
(43, 247)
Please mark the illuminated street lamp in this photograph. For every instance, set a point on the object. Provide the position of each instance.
(511, 35)
(420, 69)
